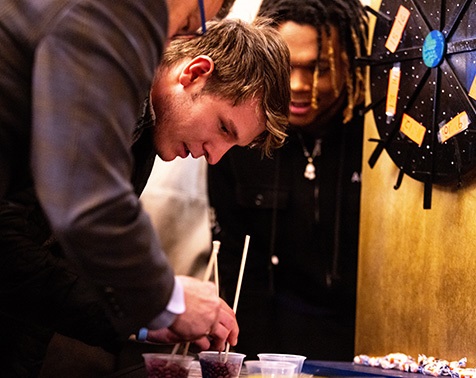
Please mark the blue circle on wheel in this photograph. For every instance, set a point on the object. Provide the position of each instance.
(434, 48)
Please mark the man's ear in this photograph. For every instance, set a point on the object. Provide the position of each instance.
(199, 67)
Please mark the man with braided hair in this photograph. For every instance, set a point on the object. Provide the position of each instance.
(301, 207)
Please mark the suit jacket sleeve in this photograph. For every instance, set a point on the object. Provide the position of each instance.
(93, 67)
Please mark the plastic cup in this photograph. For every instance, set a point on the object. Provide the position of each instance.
(270, 369)
(293, 358)
(253, 368)
(167, 365)
(215, 364)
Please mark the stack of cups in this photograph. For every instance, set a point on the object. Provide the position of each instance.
(294, 359)
(270, 369)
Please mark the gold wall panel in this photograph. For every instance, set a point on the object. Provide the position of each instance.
(417, 268)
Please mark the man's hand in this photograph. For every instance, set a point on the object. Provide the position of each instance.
(224, 330)
(207, 321)
(202, 306)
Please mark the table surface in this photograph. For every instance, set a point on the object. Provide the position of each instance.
(349, 369)
(311, 368)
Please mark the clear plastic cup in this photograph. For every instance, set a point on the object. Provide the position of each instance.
(293, 358)
(215, 364)
(270, 369)
(167, 365)
(253, 368)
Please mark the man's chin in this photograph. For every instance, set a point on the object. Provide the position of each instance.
(300, 121)
(165, 157)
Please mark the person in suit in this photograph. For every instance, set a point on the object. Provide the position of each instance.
(79, 254)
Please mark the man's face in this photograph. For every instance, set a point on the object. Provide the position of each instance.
(302, 43)
(188, 122)
(185, 18)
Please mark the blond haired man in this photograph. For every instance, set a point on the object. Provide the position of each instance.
(79, 255)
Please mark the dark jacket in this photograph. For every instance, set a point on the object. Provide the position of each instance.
(56, 297)
(73, 75)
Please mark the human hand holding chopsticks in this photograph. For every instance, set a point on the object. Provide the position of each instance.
(201, 310)
(218, 335)
(208, 321)
(225, 330)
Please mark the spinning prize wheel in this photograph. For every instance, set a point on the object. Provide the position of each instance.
(423, 88)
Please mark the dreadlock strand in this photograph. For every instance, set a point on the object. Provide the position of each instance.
(332, 63)
(315, 75)
(315, 83)
(359, 77)
(349, 109)
(359, 85)
(355, 40)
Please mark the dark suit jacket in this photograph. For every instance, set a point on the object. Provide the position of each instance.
(73, 76)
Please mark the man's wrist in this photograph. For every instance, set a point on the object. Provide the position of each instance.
(176, 306)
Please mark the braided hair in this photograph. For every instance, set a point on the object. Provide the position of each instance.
(350, 20)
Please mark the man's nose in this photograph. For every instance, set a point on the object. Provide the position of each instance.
(300, 81)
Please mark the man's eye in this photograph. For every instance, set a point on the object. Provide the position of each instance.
(308, 68)
(185, 29)
(223, 128)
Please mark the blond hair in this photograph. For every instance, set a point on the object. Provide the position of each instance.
(251, 62)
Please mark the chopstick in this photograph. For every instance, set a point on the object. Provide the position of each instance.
(238, 285)
(216, 245)
(212, 262)
(213, 265)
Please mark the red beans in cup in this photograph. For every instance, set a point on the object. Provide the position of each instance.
(217, 369)
(161, 365)
(165, 369)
